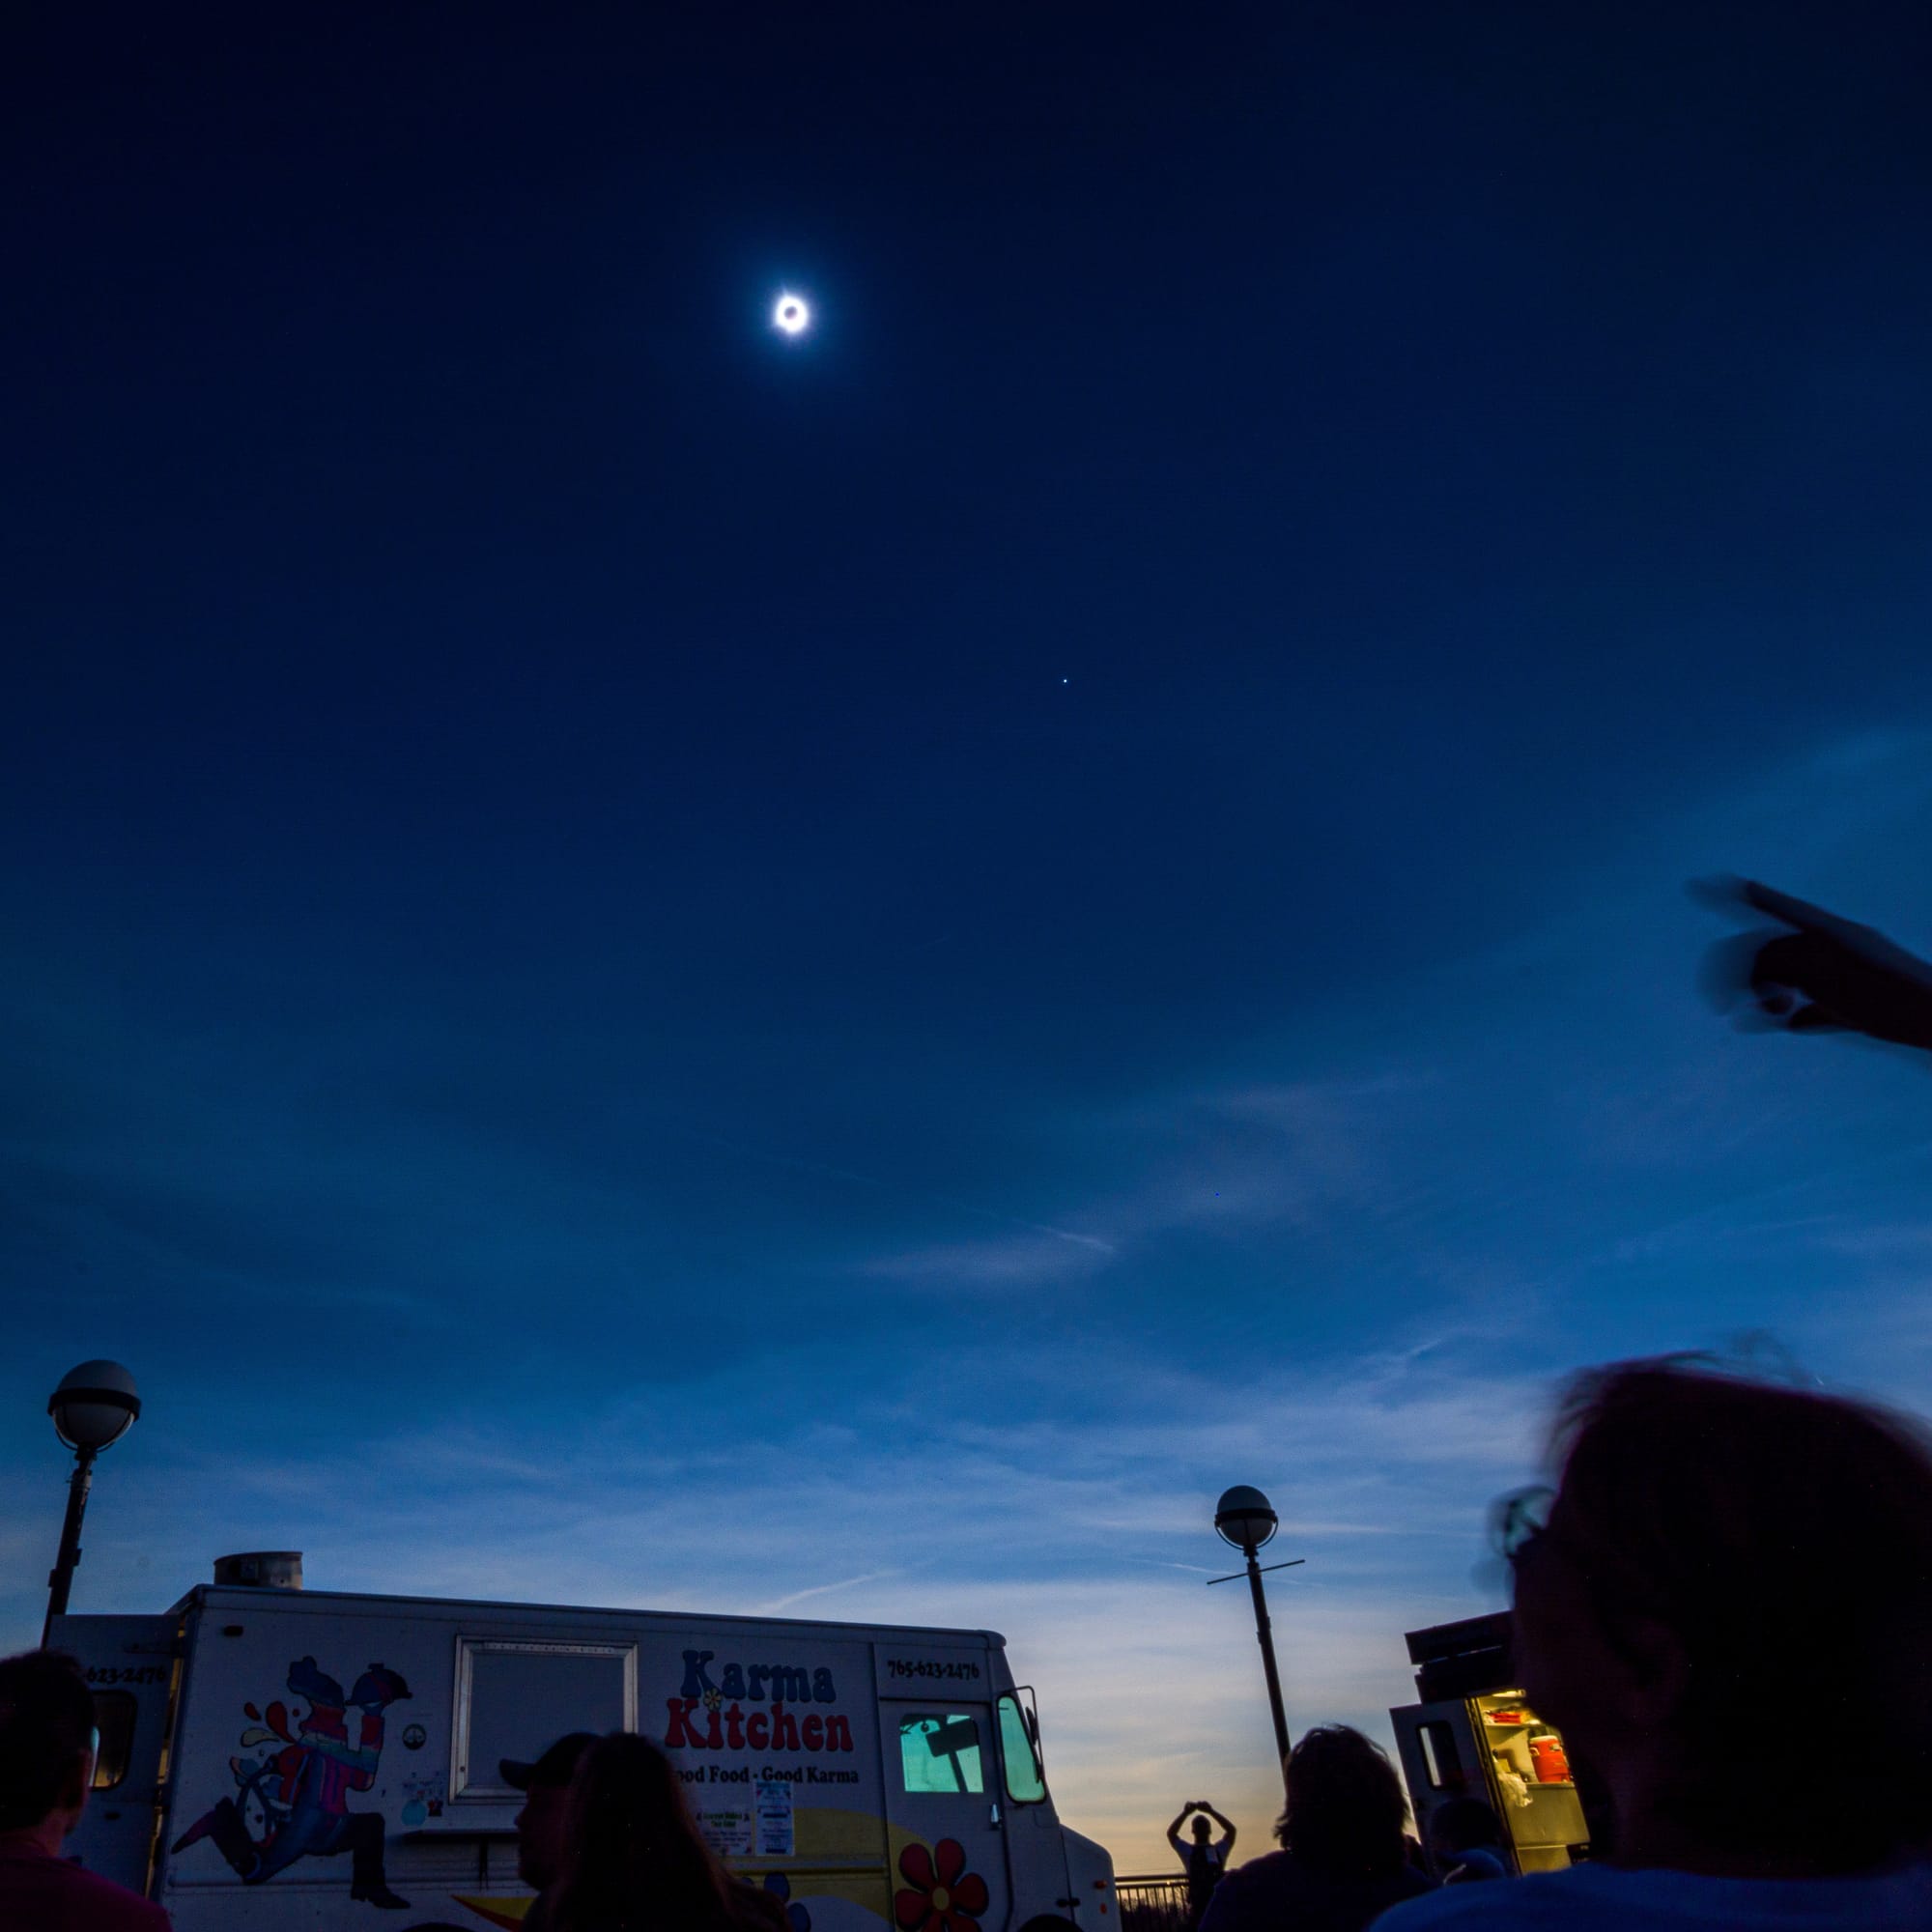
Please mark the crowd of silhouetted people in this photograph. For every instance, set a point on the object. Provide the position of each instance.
(1724, 1605)
(1347, 1853)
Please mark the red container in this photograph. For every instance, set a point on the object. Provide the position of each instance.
(1547, 1756)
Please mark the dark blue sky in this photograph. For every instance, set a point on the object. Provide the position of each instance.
(1074, 878)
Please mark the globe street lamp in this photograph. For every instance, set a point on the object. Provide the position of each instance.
(93, 1406)
(1246, 1519)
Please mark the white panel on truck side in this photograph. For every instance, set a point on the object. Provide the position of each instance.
(129, 1667)
(312, 1737)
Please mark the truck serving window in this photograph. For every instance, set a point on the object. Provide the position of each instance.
(1026, 1780)
(513, 1699)
(941, 1753)
(114, 1718)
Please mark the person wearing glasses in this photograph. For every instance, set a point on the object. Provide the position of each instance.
(48, 1743)
(1723, 1605)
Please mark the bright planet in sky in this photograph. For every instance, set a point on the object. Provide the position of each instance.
(791, 315)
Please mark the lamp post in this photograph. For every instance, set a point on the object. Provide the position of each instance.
(1246, 1519)
(93, 1408)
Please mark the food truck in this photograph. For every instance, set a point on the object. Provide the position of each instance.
(1473, 1735)
(272, 1756)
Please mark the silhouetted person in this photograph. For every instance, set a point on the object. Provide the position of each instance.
(1821, 973)
(48, 1743)
(540, 1824)
(1466, 1841)
(1725, 1612)
(1205, 1857)
(633, 1860)
(1344, 1855)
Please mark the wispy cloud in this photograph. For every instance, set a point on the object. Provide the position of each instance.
(1013, 1262)
(1221, 1163)
(785, 1603)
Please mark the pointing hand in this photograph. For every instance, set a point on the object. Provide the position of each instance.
(1823, 973)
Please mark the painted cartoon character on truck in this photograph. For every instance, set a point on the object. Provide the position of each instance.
(301, 1791)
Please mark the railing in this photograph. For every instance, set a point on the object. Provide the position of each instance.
(1154, 1904)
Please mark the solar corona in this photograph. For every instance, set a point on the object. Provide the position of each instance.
(791, 315)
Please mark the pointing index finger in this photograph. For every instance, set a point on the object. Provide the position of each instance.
(1863, 943)
(1800, 913)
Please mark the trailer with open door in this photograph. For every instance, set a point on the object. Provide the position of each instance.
(1473, 1735)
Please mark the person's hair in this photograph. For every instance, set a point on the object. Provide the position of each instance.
(1783, 1536)
(633, 1856)
(1346, 1813)
(47, 1720)
(1465, 1825)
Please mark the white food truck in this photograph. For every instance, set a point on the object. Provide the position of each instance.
(278, 1757)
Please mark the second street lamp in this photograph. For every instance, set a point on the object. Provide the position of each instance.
(1246, 1519)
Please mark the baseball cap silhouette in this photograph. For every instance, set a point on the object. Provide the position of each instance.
(556, 1767)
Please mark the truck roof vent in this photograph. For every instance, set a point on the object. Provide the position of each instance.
(261, 1570)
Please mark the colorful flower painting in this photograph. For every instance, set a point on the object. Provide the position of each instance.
(941, 1895)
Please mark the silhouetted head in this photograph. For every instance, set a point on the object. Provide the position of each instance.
(633, 1855)
(1202, 1829)
(1463, 1825)
(1732, 1576)
(1346, 1813)
(545, 1784)
(47, 1740)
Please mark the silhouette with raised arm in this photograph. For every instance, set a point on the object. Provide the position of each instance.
(1206, 1862)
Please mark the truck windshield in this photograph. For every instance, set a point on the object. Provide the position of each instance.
(1026, 1780)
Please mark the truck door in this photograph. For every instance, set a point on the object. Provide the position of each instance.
(945, 1805)
(1035, 1846)
(129, 1667)
(1441, 1756)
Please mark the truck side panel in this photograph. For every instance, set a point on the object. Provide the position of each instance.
(305, 1718)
